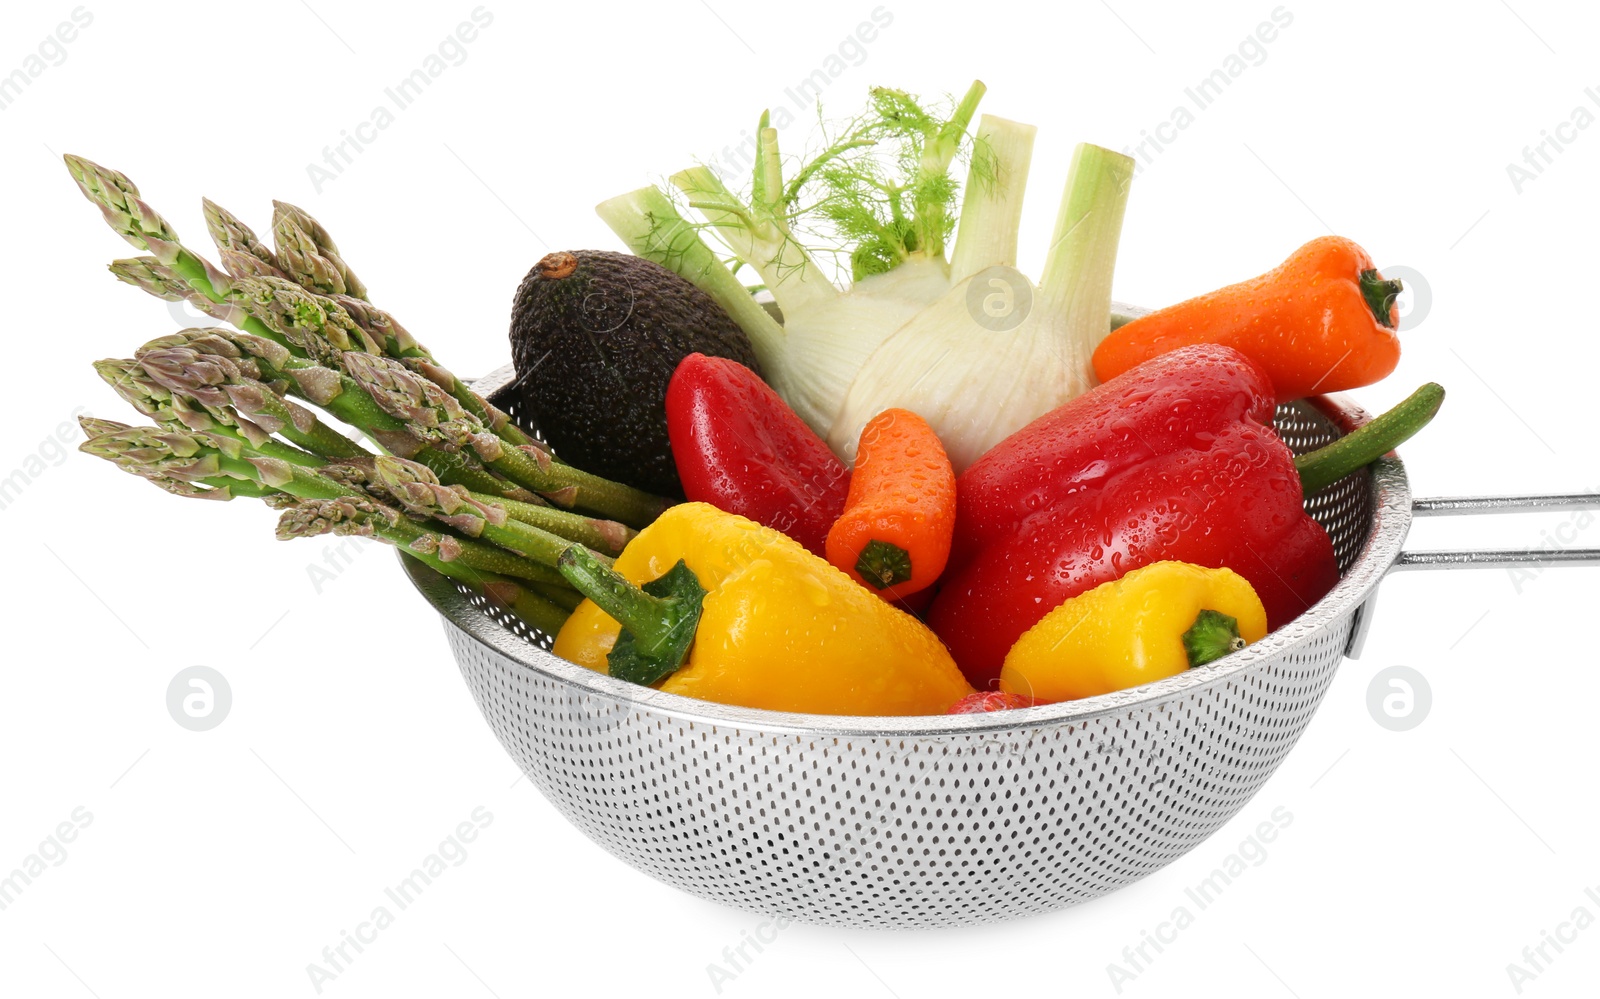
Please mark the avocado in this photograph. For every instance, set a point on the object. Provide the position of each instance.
(595, 337)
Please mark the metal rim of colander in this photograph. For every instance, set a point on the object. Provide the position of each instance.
(1390, 497)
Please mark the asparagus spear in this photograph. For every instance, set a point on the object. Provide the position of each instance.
(271, 306)
(608, 537)
(323, 329)
(416, 403)
(135, 221)
(155, 278)
(386, 329)
(340, 396)
(128, 378)
(420, 494)
(308, 255)
(222, 386)
(307, 323)
(437, 419)
(311, 254)
(544, 607)
(163, 455)
(219, 487)
(415, 488)
(243, 255)
(309, 330)
(405, 413)
(167, 456)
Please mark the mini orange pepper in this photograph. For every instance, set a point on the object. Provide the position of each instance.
(1323, 321)
(894, 535)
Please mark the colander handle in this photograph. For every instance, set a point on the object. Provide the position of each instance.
(1483, 558)
(1540, 558)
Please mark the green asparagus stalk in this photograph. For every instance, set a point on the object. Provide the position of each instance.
(218, 487)
(307, 323)
(221, 385)
(271, 362)
(155, 278)
(487, 413)
(542, 605)
(128, 378)
(358, 514)
(236, 298)
(415, 488)
(307, 253)
(339, 395)
(142, 226)
(309, 330)
(421, 494)
(396, 340)
(163, 455)
(321, 328)
(607, 537)
(302, 376)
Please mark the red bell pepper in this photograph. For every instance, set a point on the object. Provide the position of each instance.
(985, 701)
(739, 447)
(1176, 459)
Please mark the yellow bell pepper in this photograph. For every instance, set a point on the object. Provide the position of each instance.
(772, 625)
(1154, 622)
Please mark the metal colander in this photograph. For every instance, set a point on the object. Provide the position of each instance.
(942, 821)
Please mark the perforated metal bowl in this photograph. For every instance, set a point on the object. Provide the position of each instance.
(942, 821)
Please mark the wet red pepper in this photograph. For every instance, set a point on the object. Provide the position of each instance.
(739, 447)
(985, 701)
(1176, 459)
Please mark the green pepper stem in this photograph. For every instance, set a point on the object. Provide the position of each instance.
(1364, 445)
(1212, 636)
(1380, 295)
(659, 621)
(883, 564)
(651, 619)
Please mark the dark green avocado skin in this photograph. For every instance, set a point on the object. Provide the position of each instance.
(594, 351)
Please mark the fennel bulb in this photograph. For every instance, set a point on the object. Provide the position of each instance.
(970, 344)
(826, 343)
(894, 222)
(995, 352)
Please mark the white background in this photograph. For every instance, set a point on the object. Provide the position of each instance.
(223, 862)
